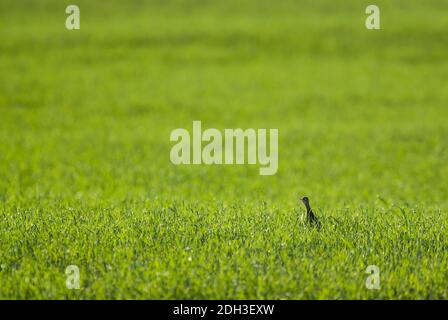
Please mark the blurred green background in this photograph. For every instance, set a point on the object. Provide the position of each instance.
(85, 176)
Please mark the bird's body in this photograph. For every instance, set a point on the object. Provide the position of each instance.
(311, 218)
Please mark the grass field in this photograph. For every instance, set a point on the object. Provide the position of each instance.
(86, 178)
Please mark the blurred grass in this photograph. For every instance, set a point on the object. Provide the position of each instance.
(85, 118)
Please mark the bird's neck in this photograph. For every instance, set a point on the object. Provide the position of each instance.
(308, 208)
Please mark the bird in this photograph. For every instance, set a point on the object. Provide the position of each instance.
(311, 219)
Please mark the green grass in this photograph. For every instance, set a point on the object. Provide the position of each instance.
(85, 176)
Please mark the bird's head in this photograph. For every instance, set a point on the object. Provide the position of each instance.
(305, 200)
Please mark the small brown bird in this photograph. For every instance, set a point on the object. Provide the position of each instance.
(310, 217)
